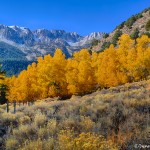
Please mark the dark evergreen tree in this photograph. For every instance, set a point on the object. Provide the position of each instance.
(104, 46)
(135, 34)
(3, 87)
(146, 33)
(147, 27)
(116, 36)
(94, 42)
(105, 35)
(120, 26)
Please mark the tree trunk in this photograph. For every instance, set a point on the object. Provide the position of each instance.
(7, 106)
(14, 107)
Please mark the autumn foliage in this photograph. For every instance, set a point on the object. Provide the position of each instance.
(84, 141)
(84, 72)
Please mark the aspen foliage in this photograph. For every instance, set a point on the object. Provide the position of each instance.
(54, 76)
(80, 73)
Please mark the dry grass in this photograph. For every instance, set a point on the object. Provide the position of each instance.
(38, 126)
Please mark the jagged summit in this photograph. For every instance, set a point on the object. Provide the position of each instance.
(42, 41)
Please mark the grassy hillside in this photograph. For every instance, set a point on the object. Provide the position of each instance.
(114, 118)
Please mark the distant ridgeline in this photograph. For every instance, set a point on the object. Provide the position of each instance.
(18, 45)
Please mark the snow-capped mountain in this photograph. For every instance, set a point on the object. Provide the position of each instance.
(19, 35)
(40, 42)
(45, 35)
(86, 41)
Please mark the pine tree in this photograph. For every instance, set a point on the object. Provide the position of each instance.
(3, 87)
(147, 26)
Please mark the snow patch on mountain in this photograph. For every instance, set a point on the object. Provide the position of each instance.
(86, 41)
(42, 41)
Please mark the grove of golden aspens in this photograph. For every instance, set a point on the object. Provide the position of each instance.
(82, 73)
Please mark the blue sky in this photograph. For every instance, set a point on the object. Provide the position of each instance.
(82, 16)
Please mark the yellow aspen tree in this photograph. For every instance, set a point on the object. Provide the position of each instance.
(107, 73)
(126, 47)
(51, 75)
(81, 74)
(109, 69)
(16, 92)
(23, 87)
(33, 92)
(44, 75)
(11, 96)
(84, 80)
(72, 76)
(94, 65)
(143, 57)
(58, 84)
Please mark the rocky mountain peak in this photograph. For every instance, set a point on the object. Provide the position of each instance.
(43, 41)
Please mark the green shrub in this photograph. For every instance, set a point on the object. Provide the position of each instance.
(145, 10)
(40, 119)
(120, 26)
(104, 46)
(25, 120)
(116, 36)
(146, 33)
(130, 22)
(135, 34)
(105, 35)
(132, 19)
(9, 118)
(147, 26)
(94, 42)
(39, 144)
(11, 144)
(138, 16)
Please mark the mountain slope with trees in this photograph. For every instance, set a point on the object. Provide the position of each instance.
(135, 26)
